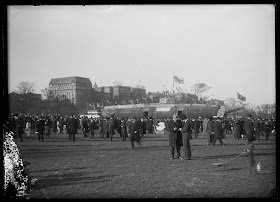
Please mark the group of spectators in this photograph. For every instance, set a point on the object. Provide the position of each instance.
(45, 125)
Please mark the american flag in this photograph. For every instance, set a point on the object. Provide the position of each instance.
(178, 80)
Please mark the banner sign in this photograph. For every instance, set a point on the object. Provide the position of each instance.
(163, 109)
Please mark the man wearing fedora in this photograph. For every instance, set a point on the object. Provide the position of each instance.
(134, 130)
(187, 136)
(218, 130)
(175, 136)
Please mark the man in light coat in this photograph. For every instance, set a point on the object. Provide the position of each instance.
(204, 125)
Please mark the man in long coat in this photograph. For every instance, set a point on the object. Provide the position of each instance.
(134, 129)
(111, 130)
(204, 126)
(236, 132)
(187, 136)
(196, 125)
(210, 131)
(172, 128)
(179, 141)
(40, 128)
(123, 129)
(105, 128)
(142, 128)
(248, 127)
(218, 130)
(71, 127)
(150, 126)
(92, 127)
(257, 127)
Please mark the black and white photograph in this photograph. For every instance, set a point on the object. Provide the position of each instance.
(140, 101)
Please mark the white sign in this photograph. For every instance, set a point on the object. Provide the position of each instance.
(163, 109)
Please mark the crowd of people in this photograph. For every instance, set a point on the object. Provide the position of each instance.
(181, 130)
(45, 125)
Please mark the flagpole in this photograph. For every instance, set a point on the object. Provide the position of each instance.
(173, 89)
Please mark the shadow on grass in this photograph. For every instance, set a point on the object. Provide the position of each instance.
(71, 179)
(50, 170)
(233, 155)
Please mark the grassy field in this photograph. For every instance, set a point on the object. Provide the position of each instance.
(95, 168)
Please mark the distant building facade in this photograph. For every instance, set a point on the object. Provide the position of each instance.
(122, 91)
(72, 88)
(139, 92)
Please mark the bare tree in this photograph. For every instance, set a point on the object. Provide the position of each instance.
(25, 87)
(200, 88)
(47, 93)
(26, 100)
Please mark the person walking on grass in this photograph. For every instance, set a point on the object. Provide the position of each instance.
(91, 127)
(210, 131)
(123, 129)
(85, 127)
(173, 128)
(248, 127)
(72, 127)
(218, 132)
(40, 129)
(134, 130)
(28, 128)
(187, 136)
(204, 126)
(111, 130)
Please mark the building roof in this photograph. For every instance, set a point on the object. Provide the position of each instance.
(76, 79)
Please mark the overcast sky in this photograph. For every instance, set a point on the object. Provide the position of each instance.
(230, 48)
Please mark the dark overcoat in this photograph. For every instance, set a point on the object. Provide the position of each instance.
(218, 130)
(196, 125)
(123, 128)
(105, 128)
(236, 132)
(179, 141)
(111, 130)
(142, 128)
(248, 127)
(40, 126)
(172, 133)
(210, 127)
(71, 126)
(134, 129)
(186, 130)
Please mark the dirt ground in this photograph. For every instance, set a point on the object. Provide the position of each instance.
(95, 168)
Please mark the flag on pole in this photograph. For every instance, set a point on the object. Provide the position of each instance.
(89, 104)
(178, 80)
(98, 105)
(241, 97)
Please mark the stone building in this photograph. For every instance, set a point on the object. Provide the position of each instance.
(73, 88)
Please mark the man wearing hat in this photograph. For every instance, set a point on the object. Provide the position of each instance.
(218, 130)
(248, 127)
(257, 126)
(174, 130)
(210, 131)
(40, 129)
(187, 136)
(111, 130)
(105, 128)
(71, 126)
(134, 130)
